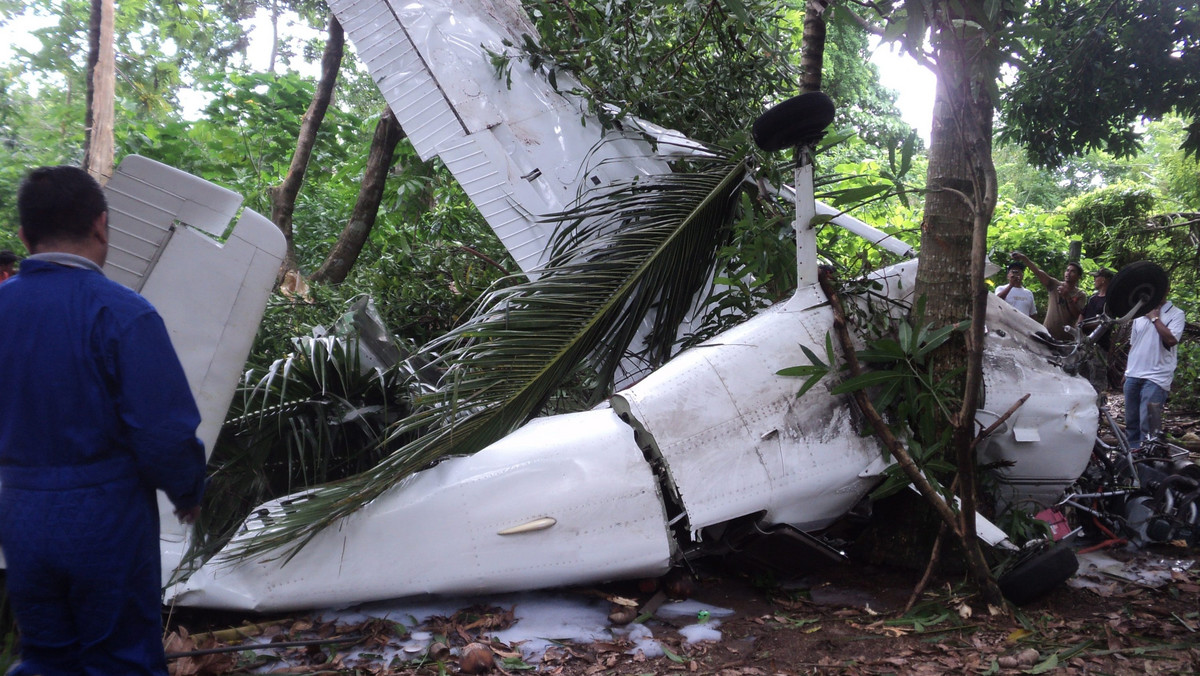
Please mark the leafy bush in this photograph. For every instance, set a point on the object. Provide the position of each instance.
(1185, 389)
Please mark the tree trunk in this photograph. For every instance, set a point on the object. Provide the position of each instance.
(812, 45)
(350, 243)
(283, 196)
(93, 57)
(274, 36)
(958, 208)
(98, 149)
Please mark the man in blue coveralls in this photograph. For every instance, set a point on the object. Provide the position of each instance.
(96, 415)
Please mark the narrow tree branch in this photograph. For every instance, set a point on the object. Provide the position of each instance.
(882, 431)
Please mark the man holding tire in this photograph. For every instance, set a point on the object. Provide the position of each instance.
(1150, 369)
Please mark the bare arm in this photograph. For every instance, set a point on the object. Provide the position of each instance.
(1047, 281)
(1076, 304)
(1165, 334)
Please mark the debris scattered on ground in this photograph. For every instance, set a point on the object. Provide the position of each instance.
(1126, 612)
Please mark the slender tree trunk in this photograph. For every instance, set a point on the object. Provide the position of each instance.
(98, 150)
(274, 36)
(93, 57)
(812, 45)
(350, 243)
(283, 196)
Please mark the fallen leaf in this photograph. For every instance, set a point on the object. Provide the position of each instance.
(1017, 635)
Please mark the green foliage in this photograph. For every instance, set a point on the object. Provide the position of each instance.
(1028, 187)
(317, 415)
(425, 281)
(702, 68)
(707, 69)
(920, 403)
(1185, 389)
(881, 193)
(903, 387)
(1102, 67)
(816, 369)
(1111, 221)
(1174, 173)
(1040, 235)
(1022, 527)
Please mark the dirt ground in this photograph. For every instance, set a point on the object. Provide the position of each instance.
(844, 620)
(847, 619)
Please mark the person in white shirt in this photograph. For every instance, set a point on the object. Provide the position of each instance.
(1150, 368)
(1014, 293)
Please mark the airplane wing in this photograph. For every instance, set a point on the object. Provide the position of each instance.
(519, 147)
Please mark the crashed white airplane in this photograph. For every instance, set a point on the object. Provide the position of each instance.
(711, 444)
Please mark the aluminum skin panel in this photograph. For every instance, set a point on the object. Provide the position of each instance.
(1049, 439)
(719, 410)
(517, 145)
(439, 532)
(145, 201)
(210, 294)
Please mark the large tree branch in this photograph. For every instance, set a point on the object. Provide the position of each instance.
(283, 196)
(350, 243)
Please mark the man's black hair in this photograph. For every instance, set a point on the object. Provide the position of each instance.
(7, 257)
(1077, 266)
(59, 204)
(1016, 266)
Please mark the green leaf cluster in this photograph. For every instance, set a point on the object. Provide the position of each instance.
(1098, 69)
(919, 400)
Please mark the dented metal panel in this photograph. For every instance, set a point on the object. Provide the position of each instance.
(563, 500)
(514, 142)
(210, 293)
(1049, 439)
(719, 410)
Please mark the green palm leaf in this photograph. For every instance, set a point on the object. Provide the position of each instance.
(635, 252)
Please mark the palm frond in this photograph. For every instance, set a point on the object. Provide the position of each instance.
(634, 251)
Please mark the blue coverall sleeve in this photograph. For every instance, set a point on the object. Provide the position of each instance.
(158, 412)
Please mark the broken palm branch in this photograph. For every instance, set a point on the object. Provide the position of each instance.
(633, 248)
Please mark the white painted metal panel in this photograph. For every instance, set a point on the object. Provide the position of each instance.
(736, 438)
(145, 201)
(439, 532)
(1049, 439)
(210, 294)
(517, 146)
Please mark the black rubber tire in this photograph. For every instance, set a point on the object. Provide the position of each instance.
(1037, 575)
(1143, 279)
(801, 120)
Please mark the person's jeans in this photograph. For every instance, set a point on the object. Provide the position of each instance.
(1140, 394)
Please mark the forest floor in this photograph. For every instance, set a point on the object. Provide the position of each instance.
(1127, 611)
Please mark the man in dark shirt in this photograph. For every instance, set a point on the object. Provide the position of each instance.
(1102, 372)
(96, 415)
(1095, 303)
